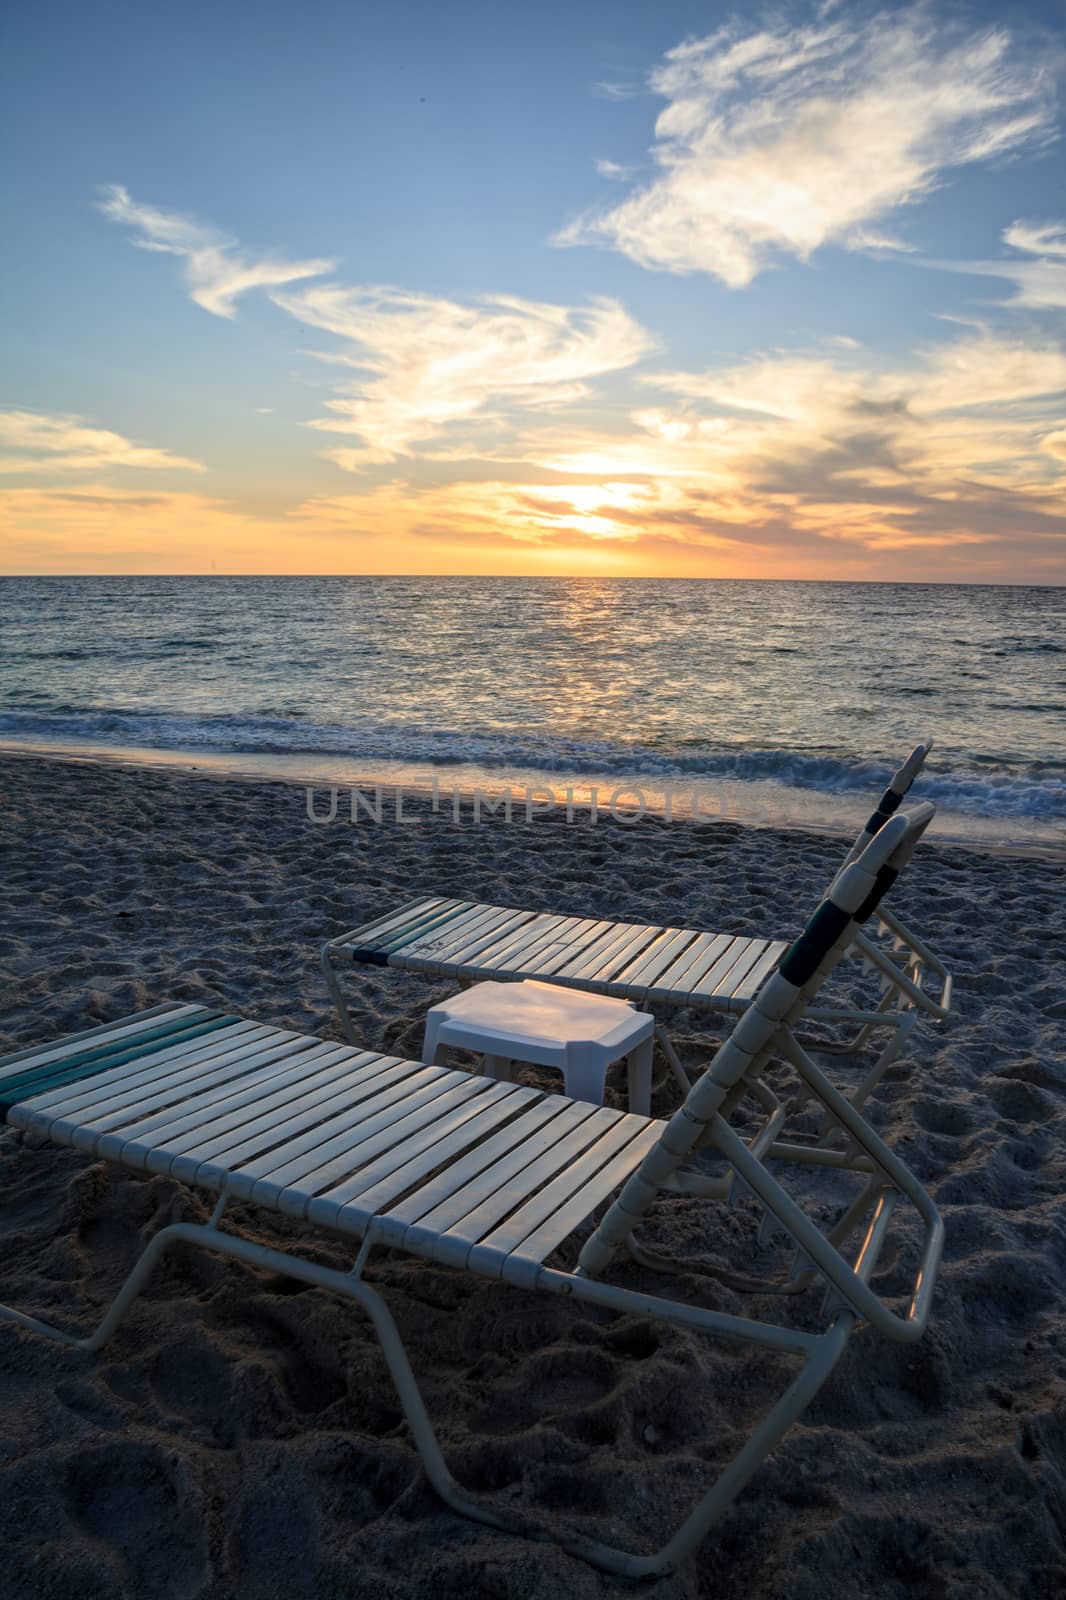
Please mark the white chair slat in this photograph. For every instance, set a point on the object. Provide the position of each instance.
(417, 1158)
(579, 942)
(577, 1177)
(750, 958)
(496, 1106)
(309, 1164)
(481, 944)
(552, 937)
(450, 1184)
(261, 1147)
(711, 982)
(766, 963)
(637, 954)
(154, 1104)
(432, 951)
(523, 1263)
(169, 1105)
(502, 1173)
(327, 1188)
(165, 1087)
(452, 1246)
(212, 1123)
(568, 948)
(590, 957)
(521, 946)
(690, 965)
(392, 921)
(423, 924)
(658, 958)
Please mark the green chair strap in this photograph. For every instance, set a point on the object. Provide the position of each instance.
(89, 1063)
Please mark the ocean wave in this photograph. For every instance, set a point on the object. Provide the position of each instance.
(975, 784)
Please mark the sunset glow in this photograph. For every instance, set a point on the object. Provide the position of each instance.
(775, 297)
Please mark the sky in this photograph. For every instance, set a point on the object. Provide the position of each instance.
(597, 289)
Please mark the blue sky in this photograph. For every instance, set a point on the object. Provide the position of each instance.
(568, 288)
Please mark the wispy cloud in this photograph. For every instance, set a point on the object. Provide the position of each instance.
(1038, 270)
(428, 363)
(35, 441)
(614, 89)
(777, 140)
(614, 170)
(875, 241)
(215, 271)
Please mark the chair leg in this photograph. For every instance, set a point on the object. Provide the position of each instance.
(902, 1028)
(666, 1045)
(338, 998)
(820, 1356)
(136, 1281)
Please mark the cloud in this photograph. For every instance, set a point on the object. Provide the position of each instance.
(965, 413)
(214, 271)
(615, 90)
(1040, 282)
(874, 241)
(428, 364)
(989, 370)
(395, 527)
(777, 140)
(1040, 239)
(614, 170)
(830, 463)
(793, 465)
(68, 443)
(96, 528)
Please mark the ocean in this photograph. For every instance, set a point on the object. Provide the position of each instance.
(768, 702)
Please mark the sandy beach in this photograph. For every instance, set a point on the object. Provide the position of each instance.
(239, 1439)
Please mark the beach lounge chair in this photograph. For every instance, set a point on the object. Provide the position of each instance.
(492, 1177)
(655, 967)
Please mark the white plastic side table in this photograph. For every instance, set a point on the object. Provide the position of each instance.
(580, 1034)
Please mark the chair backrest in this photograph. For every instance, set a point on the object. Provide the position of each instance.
(854, 895)
(899, 785)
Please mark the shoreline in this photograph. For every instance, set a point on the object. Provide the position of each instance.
(444, 797)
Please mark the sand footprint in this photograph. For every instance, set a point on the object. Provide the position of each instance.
(139, 1505)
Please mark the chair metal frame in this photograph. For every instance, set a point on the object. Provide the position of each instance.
(660, 1151)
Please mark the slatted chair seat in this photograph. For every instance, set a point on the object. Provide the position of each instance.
(458, 1168)
(655, 967)
(633, 961)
